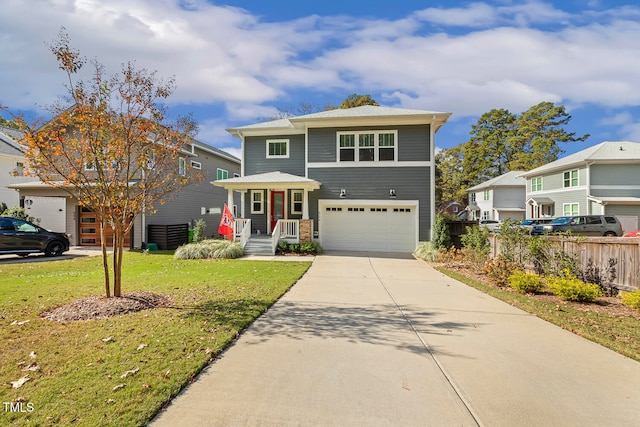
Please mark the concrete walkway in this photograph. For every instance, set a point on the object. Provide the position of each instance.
(381, 341)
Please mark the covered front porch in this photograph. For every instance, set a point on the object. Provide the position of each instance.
(274, 207)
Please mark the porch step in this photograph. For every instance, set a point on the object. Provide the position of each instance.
(258, 246)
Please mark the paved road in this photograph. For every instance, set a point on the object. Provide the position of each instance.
(380, 341)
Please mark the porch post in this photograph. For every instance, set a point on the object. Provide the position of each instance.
(305, 204)
(242, 204)
(230, 199)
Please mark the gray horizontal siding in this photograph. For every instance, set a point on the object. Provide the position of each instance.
(411, 183)
(255, 156)
(413, 142)
(185, 206)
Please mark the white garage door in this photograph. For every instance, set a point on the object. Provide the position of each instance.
(375, 227)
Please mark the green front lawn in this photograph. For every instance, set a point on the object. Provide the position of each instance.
(80, 366)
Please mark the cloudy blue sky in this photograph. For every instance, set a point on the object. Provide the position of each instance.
(237, 61)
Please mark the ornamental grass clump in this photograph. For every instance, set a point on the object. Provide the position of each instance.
(526, 283)
(211, 248)
(573, 289)
(632, 299)
(427, 252)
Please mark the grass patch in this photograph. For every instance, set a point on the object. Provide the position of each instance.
(618, 333)
(81, 363)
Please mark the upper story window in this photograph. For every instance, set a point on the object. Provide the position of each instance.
(222, 174)
(367, 146)
(472, 197)
(536, 184)
(486, 195)
(277, 148)
(20, 168)
(570, 178)
(182, 166)
(196, 165)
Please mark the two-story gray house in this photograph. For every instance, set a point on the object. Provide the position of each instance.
(599, 180)
(353, 179)
(12, 163)
(498, 198)
(58, 210)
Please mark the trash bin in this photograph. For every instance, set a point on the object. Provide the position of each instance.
(152, 246)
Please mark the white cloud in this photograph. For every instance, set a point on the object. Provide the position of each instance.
(497, 57)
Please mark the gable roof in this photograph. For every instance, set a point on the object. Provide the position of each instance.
(366, 115)
(607, 151)
(8, 145)
(509, 179)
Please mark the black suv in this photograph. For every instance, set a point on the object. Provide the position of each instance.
(22, 238)
(585, 225)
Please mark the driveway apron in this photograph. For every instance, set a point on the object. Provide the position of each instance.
(367, 340)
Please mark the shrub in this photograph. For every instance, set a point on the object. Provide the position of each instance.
(526, 283)
(451, 257)
(549, 258)
(632, 299)
(573, 289)
(475, 246)
(18, 212)
(310, 248)
(500, 268)
(198, 230)
(211, 248)
(427, 252)
(294, 248)
(282, 247)
(513, 240)
(604, 279)
(441, 235)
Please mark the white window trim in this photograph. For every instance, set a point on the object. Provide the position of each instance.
(269, 141)
(293, 192)
(196, 165)
(261, 211)
(376, 146)
(564, 205)
(486, 195)
(534, 189)
(224, 171)
(577, 171)
(182, 166)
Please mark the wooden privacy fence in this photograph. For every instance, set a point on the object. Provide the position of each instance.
(599, 250)
(168, 237)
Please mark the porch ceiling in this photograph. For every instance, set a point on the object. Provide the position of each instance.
(269, 180)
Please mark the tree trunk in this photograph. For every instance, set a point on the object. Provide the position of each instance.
(105, 264)
(118, 240)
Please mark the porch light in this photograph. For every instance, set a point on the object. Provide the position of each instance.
(392, 193)
(343, 193)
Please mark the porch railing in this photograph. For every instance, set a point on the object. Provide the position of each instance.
(285, 229)
(245, 231)
(239, 224)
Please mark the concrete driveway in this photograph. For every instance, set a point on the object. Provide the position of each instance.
(371, 340)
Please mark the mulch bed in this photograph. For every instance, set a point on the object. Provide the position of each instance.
(100, 307)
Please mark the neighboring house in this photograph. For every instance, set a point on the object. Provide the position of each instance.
(353, 179)
(450, 208)
(57, 210)
(11, 159)
(599, 180)
(498, 198)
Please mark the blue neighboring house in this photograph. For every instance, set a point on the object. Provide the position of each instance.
(358, 179)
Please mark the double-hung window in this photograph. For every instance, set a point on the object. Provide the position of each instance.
(182, 166)
(277, 148)
(536, 184)
(486, 195)
(222, 174)
(256, 202)
(570, 178)
(296, 201)
(367, 146)
(20, 168)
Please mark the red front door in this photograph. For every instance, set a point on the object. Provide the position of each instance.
(277, 207)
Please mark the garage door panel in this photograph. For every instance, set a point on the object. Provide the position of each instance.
(375, 227)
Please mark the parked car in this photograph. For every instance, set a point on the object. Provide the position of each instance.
(22, 238)
(585, 225)
(491, 224)
(528, 224)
